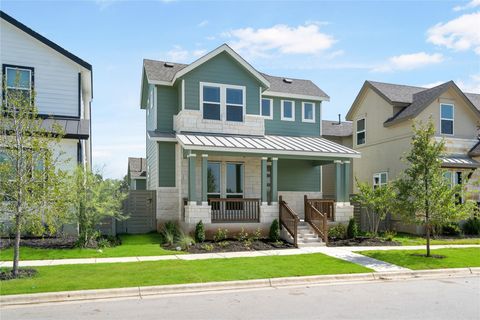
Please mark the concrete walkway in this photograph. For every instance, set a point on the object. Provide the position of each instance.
(344, 253)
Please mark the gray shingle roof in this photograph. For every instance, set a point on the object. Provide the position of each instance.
(297, 86)
(137, 167)
(333, 128)
(475, 151)
(157, 71)
(396, 93)
(474, 98)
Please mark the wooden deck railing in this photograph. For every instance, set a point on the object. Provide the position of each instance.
(289, 220)
(235, 210)
(326, 206)
(316, 218)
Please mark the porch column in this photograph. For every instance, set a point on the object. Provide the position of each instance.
(274, 184)
(338, 181)
(192, 196)
(204, 178)
(346, 181)
(264, 180)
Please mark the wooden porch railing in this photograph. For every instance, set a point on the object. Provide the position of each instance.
(235, 210)
(316, 218)
(289, 220)
(326, 206)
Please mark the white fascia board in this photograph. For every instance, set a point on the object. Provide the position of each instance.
(164, 139)
(293, 96)
(160, 83)
(266, 151)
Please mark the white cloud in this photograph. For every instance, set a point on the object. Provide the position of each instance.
(303, 39)
(409, 62)
(432, 84)
(470, 5)
(460, 34)
(202, 24)
(179, 54)
(472, 84)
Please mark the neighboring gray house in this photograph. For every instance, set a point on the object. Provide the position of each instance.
(137, 173)
(225, 142)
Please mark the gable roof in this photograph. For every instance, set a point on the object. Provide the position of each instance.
(45, 41)
(413, 99)
(137, 167)
(335, 129)
(166, 73)
(475, 151)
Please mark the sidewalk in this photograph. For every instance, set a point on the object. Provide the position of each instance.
(344, 253)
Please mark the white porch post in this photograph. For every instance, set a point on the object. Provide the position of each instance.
(338, 181)
(204, 179)
(264, 180)
(274, 184)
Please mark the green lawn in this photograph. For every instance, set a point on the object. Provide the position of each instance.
(413, 240)
(78, 277)
(132, 245)
(454, 258)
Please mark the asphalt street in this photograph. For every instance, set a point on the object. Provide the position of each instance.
(449, 298)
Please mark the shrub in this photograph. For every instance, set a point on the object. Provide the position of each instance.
(256, 235)
(389, 235)
(472, 226)
(242, 235)
(185, 241)
(224, 244)
(337, 232)
(172, 227)
(451, 229)
(207, 247)
(103, 243)
(199, 232)
(220, 235)
(352, 229)
(274, 234)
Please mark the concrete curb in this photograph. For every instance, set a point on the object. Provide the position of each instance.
(139, 292)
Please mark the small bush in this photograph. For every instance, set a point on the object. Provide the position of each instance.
(242, 235)
(185, 241)
(352, 229)
(472, 226)
(207, 247)
(338, 232)
(220, 235)
(224, 244)
(199, 232)
(257, 235)
(389, 235)
(172, 227)
(274, 234)
(451, 229)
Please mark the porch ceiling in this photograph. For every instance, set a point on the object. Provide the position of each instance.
(268, 144)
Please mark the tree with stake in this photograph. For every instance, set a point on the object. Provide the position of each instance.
(31, 186)
(425, 196)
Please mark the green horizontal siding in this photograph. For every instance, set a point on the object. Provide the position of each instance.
(140, 184)
(222, 69)
(292, 128)
(298, 175)
(167, 106)
(166, 164)
(151, 164)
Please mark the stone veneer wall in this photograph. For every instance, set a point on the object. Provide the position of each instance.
(295, 200)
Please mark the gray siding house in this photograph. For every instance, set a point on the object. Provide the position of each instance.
(234, 147)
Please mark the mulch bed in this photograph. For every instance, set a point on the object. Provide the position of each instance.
(22, 273)
(434, 256)
(232, 245)
(41, 243)
(362, 242)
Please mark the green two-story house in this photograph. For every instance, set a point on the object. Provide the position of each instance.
(227, 144)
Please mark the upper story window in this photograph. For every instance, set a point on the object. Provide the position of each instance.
(267, 108)
(380, 179)
(222, 102)
(308, 112)
(19, 79)
(446, 118)
(288, 110)
(361, 131)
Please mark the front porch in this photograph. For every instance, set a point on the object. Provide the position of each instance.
(231, 189)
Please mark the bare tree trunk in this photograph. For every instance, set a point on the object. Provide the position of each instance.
(16, 247)
(427, 225)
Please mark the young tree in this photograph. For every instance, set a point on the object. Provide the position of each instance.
(425, 196)
(378, 202)
(30, 184)
(93, 199)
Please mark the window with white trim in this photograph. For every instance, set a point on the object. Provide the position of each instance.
(288, 110)
(266, 109)
(18, 80)
(361, 132)
(446, 118)
(222, 102)
(380, 179)
(308, 112)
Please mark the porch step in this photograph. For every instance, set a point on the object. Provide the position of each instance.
(307, 237)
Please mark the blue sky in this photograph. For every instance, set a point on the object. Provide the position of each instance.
(337, 44)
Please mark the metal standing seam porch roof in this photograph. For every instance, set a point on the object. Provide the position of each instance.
(268, 144)
(457, 161)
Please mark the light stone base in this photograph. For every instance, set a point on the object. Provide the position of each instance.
(194, 213)
(168, 208)
(268, 213)
(295, 200)
(343, 212)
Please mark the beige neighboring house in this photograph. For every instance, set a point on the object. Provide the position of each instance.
(382, 116)
(137, 173)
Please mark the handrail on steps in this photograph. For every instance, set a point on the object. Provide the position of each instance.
(289, 219)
